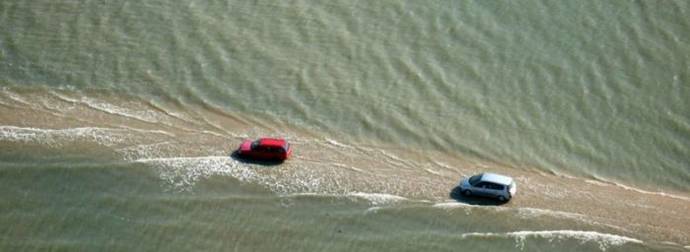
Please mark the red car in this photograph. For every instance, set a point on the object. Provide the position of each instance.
(265, 149)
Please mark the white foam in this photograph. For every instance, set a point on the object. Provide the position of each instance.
(143, 115)
(214, 125)
(524, 212)
(15, 97)
(441, 164)
(432, 171)
(337, 144)
(563, 175)
(670, 243)
(348, 167)
(139, 114)
(630, 188)
(64, 98)
(394, 159)
(602, 239)
(374, 209)
(58, 137)
(594, 182)
(310, 194)
(208, 132)
(377, 199)
(176, 115)
(162, 132)
(451, 205)
(182, 173)
(529, 213)
(467, 208)
(143, 151)
(663, 194)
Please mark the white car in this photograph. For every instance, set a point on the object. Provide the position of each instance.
(489, 185)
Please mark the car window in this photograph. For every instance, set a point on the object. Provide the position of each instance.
(256, 145)
(480, 184)
(474, 179)
(494, 186)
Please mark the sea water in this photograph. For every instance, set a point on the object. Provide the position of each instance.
(117, 120)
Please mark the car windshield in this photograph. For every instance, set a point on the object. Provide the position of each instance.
(475, 179)
(255, 144)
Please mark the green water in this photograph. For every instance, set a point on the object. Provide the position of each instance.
(118, 208)
(589, 89)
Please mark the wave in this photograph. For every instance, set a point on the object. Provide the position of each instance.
(141, 115)
(451, 205)
(605, 182)
(522, 212)
(663, 194)
(138, 110)
(355, 169)
(603, 240)
(530, 213)
(394, 159)
(162, 109)
(378, 198)
(375, 199)
(432, 172)
(182, 173)
(338, 144)
(58, 137)
(374, 209)
(15, 97)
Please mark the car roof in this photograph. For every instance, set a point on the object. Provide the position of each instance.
(276, 142)
(496, 178)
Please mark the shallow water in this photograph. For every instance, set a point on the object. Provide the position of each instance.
(132, 110)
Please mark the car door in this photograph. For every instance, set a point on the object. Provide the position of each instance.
(272, 153)
(480, 189)
(280, 153)
(494, 190)
(268, 153)
(259, 152)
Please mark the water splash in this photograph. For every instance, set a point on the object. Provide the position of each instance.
(603, 240)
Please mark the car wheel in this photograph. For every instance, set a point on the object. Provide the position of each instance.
(501, 198)
(467, 193)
